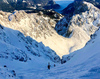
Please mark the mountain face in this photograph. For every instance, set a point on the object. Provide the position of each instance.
(11, 5)
(39, 26)
(20, 54)
(94, 2)
(15, 46)
(76, 29)
(24, 56)
(81, 64)
(85, 62)
(73, 7)
(76, 7)
(44, 2)
(80, 25)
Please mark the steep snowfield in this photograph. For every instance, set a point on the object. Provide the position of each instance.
(41, 28)
(19, 54)
(84, 63)
(81, 64)
(13, 41)
(79, 27)
(37, 27)
(23, 58)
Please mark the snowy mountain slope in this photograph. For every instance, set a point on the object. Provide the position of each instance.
(15, 46)
(81, 64)
(23, 58)
(19, 53)
(85, 62)
(79, 27)
(39, 27)
(42, 2)
(11, 5)
(94, 2)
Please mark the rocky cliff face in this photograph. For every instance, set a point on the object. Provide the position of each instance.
(15, 46)
(81, 13)
(76, 7)
(39, 26)
(44, 2)
(94, 2)
(11, 5)
(20, 52)
(79, 25)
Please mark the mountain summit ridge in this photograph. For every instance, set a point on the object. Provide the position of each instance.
(28, 55)
(80, 24)
(11, 5)
(78, 28)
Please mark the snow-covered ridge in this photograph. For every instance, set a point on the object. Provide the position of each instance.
(81, 64)
(15, 46)
(38, 27)
(81, 26)
(11, 5)
(20, 54)
(85, 62)
(41, 28)
(89, 5)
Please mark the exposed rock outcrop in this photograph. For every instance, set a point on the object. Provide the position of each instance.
(40, 27)
(11, 5)
(80, 22)
(94, 2)
(15, 46)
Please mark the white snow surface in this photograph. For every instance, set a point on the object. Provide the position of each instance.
(19, 54)
(23, 58)
(40, 28)
(83, 64)
(81, 26)
(37, 27)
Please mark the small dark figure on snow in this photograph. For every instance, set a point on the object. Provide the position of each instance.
(54, 65)
(49, 66)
